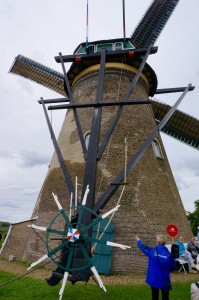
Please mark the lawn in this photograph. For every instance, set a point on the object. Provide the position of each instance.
(30, 288)
(4, 230)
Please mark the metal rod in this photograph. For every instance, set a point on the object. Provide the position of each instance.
(64, 169)
(91, 161)
(58, 100)
(173, 90)
(87, 25)
(70, 95)
(100, 86)
(120, 109)
(137, 76)
(76, 187)
(99, 104)
(134, 160)
(79, 129)
(124, 26)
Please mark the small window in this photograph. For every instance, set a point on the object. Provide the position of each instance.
(87, 139)
(118, 46)
(157, 149)
(108, 47)
(91, 48)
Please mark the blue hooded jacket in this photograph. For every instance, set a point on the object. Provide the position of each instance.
(159, 267)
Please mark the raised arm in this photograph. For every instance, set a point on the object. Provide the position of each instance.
(145, 249)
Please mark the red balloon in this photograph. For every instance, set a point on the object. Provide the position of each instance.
(172, 230)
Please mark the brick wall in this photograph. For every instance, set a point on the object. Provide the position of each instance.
(16, 240)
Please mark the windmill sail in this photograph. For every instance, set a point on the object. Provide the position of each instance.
(181, 126)
(39, 73)
(153, 22)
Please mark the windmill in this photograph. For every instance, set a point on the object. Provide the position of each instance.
(110, 63)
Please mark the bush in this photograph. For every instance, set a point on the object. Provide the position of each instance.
(4, 224)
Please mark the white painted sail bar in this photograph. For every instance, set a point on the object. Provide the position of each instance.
(57, 201)
(76, 184)
(71, 203)
(37, 227)
(85, 195)
(93, 269)
(110, 212)
(61, 291)
(123, 247)
(38, 261)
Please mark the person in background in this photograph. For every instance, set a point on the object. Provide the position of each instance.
(186, 255)
(197, 242)
(193, 249)
(160, 264)
(195, 291)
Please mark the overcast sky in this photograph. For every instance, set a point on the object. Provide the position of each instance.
(40, 29)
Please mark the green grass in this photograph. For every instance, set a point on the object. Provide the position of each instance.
(31, 289)
(4, 230)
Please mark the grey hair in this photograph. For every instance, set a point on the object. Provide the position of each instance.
(161, 239)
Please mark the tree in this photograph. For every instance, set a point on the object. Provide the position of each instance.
(5, 224)
(193, 218)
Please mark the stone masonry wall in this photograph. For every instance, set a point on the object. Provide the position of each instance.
(16, 241)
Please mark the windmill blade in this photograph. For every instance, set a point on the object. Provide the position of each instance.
(61, 291)
(123, 247)
(181, 126)
(38, 261)
(98, 278)
(57, 201)
(85, 195)
(37, 227)
(153, 22)
(39, 73)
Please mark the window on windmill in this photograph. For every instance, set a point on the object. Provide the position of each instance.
(107, 46)
(91, 48)
(157, 149)
(87, 139)
(118, 46)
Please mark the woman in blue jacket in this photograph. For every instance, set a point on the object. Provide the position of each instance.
(160, 264)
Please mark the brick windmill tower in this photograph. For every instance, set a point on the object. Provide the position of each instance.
(110, 142)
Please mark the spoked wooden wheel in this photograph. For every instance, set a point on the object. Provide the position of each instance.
(74, 236)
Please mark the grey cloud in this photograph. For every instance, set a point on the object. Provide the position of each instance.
(9, 205)
(32, 159)
(189, 164)
(181, 184)
(7, 154)
(30, 192)
(26, 86)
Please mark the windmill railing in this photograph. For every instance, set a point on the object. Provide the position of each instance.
(113, 54)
